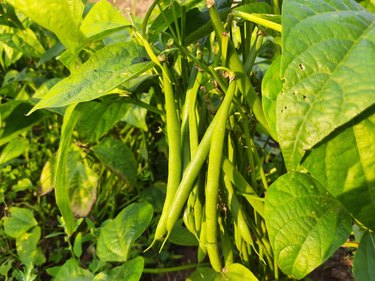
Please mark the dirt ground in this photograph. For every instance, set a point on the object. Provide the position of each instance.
(137, 7)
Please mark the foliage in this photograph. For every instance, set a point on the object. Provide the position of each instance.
(206, 125)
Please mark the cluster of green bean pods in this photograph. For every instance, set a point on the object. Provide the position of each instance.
(208, 152)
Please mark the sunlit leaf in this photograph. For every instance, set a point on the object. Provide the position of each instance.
(305, 223)
(62, 17)
(345, 165)
(102, 17)
(102, 72)
(328, 69)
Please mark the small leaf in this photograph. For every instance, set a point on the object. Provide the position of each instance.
(236, 271)
(129, 271)
(77, 247)
(62, 17)
(328, 69)
(364, 259)
(13, 149)
(118, 157)
(102, 72)
(73, 272)
(118, 235)
(102, 17)
(305, 223)
(27, 249)
(20, 221)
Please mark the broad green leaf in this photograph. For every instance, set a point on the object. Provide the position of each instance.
(118, 235)
(345, 165)
(271, 88)
(61, 180)
(129, 271)
(328, 69)
(16, 122)
(73, 272)
(82, 184)
(364, 259)
(27, 247)
(236, 271)
(102, 72)
(305, 223)
(19, 221)
(62, 17)
(118, 157)
(102, 17)
(13, 149)
(98, 117)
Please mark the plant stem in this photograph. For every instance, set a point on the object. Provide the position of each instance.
(173, 269)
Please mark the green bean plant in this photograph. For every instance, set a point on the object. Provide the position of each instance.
(267, 108)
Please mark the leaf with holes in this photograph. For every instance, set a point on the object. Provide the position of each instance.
(328, 68)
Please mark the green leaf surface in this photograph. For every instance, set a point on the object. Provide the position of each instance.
(364, 259)
(129, 271)
(102, 72)
(27, 249)
(328, 69)
(305, 223)
(118, 157)
(13, 149)
(101, 18)
(62, 17)
(73, 272)
(236, 271)
(19, 221)
(118, 235)
(344, 164)
(271, 88)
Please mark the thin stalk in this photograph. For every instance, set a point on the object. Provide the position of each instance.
(258, 20)
(173, 269)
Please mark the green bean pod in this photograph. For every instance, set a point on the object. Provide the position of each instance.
(213, 177)
(202, 249)
(174, 157)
